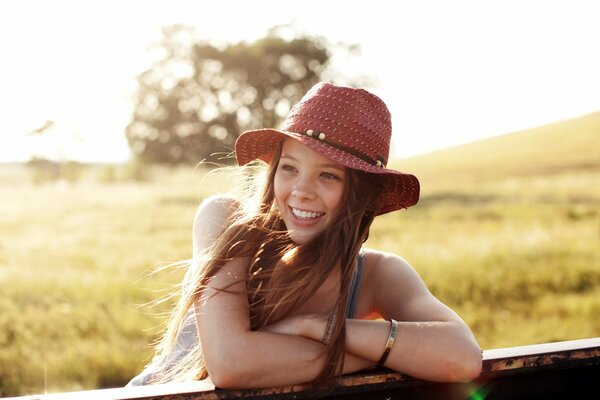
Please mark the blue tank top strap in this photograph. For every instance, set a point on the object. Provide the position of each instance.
(354, 289)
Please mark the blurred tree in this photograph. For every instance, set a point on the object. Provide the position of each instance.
(197, 98)
(48, 160)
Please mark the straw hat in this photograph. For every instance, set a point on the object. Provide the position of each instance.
(350, 126)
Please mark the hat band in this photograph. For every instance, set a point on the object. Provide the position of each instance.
(378, 162)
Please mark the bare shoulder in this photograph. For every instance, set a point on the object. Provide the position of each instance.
(218, 205)
(392, 284)
(381, 264)
(212, 216)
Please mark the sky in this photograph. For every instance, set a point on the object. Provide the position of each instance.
(451, 72)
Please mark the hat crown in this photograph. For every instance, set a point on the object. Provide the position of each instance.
(352, 118)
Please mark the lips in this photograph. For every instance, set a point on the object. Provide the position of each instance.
(306, 214)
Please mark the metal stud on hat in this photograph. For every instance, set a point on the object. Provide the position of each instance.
(349, 126)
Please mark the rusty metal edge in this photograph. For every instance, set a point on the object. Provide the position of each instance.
(496, 363)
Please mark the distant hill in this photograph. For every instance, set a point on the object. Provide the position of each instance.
(568, 145)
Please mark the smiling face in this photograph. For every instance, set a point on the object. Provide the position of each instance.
(308, 190)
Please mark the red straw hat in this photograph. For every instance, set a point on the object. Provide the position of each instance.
(350, 126)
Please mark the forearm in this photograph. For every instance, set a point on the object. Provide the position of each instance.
(438, 351)
(263, 359)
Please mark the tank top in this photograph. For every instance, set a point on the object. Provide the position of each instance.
(188, 336)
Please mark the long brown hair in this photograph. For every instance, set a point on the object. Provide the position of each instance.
(282, 275)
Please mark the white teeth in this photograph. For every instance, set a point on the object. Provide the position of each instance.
(306, 214)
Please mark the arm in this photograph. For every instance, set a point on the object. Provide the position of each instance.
(432, 342)
(211, 218)
(237, 357)
(234, 355)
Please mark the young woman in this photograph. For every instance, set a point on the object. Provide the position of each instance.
(283, 293)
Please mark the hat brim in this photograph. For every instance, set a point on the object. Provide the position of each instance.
(400, 189)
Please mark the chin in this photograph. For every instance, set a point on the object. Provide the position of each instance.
(302, 237)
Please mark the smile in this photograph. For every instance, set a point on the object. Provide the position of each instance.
(305, 214)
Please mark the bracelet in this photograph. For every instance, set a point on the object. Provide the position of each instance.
(390, 342)
(329, 329)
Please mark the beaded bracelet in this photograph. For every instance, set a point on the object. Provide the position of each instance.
(390, 342)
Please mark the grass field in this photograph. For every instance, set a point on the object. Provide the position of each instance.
(507, 233)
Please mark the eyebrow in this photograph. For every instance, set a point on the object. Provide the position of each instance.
(322, 165)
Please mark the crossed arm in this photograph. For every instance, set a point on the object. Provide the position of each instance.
(237, 357)
(432, 341)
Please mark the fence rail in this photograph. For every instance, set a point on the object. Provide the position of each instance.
(550, 370)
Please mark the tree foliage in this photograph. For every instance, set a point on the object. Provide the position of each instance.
(197, 98)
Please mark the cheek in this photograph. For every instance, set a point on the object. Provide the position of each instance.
(278, 190)
(334, 198)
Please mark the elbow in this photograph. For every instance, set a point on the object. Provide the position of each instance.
(471, 370)
(227, 377)
(228, 372)
(230, 363)
(465, 360)
(467, 367)
(225, 380)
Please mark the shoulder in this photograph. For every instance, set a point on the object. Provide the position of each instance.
(380, 262)
(216, 207)
(389, 279)
(383, 269)
(211, 219)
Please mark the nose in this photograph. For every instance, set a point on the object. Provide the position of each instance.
(303, 189)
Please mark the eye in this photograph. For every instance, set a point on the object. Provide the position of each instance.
(287, 168)
(330, 176)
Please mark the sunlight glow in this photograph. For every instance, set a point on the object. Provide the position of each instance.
(451, 72)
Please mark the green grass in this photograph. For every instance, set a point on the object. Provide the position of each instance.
(74, 271)
(544, 151)
(512, 247)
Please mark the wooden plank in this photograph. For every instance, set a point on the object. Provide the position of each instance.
(517, 368)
